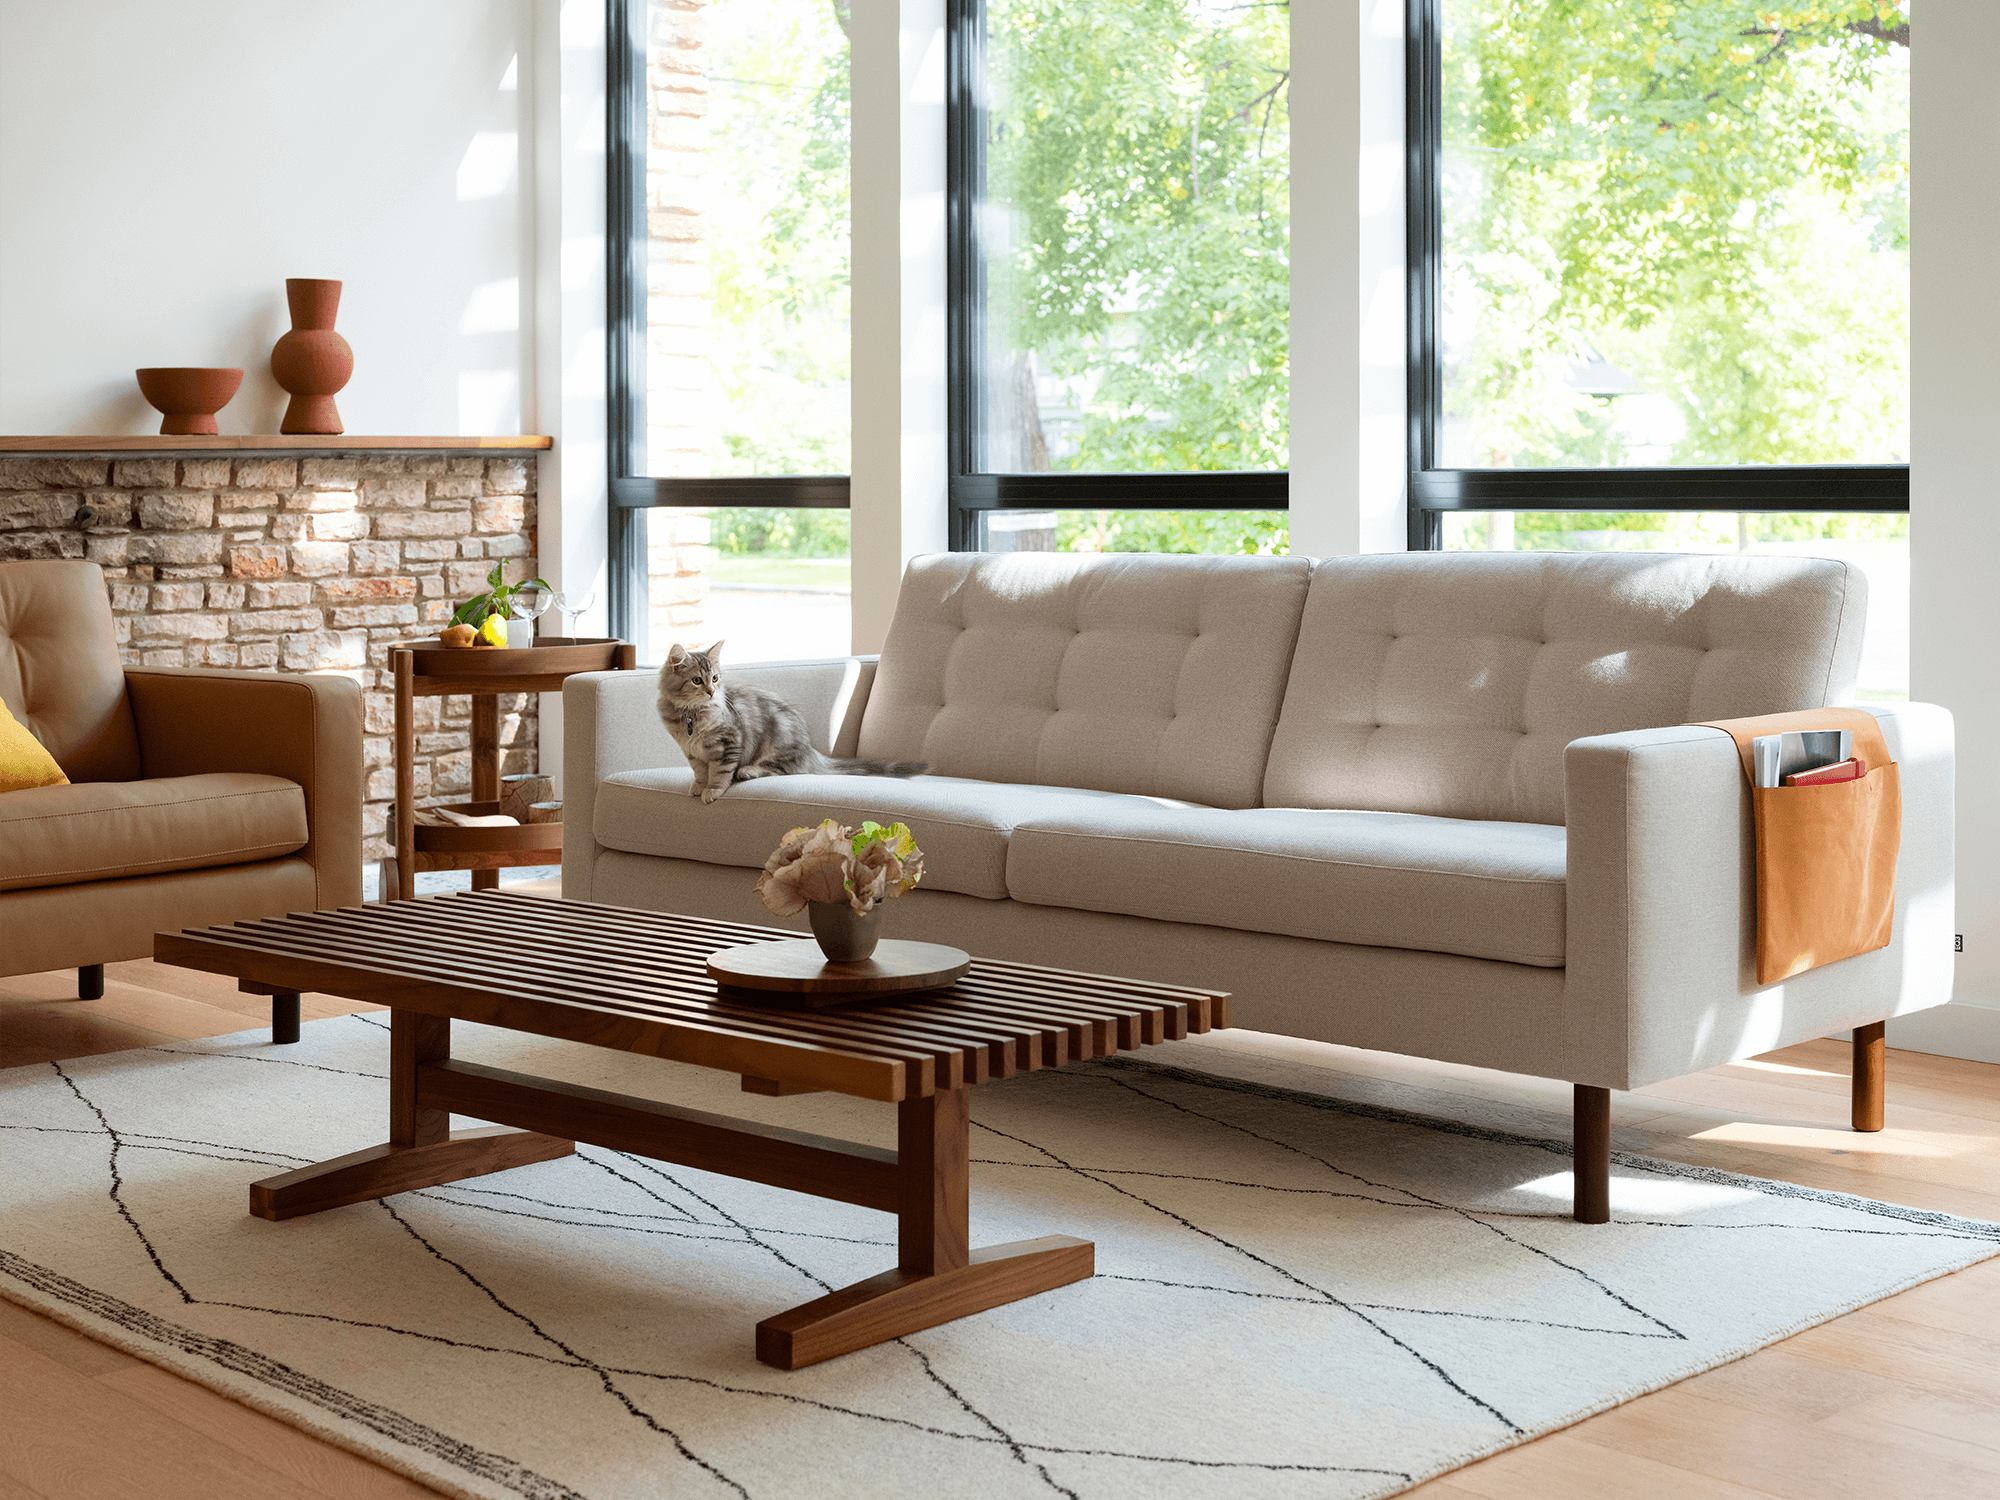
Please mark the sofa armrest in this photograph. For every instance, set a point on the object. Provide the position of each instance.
(306, 729)
(1661, 978)
(611, 723)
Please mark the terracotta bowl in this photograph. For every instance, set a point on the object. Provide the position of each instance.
(190, 398)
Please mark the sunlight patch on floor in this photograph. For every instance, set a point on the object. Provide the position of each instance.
(1658, 1197)
(1883, 1143)
(1771, 1067)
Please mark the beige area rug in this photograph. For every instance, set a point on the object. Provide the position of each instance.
(1296, 1295)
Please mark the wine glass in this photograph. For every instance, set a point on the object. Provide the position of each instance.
(531, 602)
(575, 603)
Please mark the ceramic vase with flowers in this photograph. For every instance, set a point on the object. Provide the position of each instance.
(840, 878)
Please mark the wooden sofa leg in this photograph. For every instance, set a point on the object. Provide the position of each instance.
(1871, 1065)
(285, 1016)
(90, 982)
(1591, 1124)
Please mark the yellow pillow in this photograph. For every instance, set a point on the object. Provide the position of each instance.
(23, 761)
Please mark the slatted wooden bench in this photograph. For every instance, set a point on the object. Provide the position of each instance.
(636, 981)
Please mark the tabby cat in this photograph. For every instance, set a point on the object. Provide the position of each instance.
(738, 734)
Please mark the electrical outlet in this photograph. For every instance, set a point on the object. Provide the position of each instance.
(1958, 942)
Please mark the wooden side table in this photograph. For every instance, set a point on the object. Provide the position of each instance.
(427, 669)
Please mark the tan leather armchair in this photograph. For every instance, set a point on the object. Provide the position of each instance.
(196, 796)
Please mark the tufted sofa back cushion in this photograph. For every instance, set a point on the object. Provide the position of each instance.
(1450, 683)
(59, 668)
(1154, 675)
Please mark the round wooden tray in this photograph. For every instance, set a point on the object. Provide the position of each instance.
(794, 972)
(548, 654)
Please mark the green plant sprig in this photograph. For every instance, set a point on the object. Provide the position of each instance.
(497, 600)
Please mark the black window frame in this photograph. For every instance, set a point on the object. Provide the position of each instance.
(973, 491)
(627, 240)
(1432, 491)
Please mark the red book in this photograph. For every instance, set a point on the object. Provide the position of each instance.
(1841, 770)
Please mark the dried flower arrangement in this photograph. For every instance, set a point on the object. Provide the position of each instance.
(835, 864)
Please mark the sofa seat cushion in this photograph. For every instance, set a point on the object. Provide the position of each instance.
(962, 826)
(104, 830)
(1382, 880)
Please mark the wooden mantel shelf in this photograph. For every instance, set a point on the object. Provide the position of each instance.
(267, 442)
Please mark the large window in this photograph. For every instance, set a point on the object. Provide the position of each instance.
(771, 583)
(729, 140)
(1660, 259)
(1120, 273)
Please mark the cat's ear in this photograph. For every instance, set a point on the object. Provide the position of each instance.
(714, 653)
(676, 654)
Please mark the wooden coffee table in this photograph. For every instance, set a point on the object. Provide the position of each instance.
(635, 981)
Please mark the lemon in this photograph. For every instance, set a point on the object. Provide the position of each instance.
(494, 631)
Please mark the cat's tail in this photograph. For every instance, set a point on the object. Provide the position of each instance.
(836, 766)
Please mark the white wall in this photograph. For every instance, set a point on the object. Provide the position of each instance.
(1955, 395)
(164, 168)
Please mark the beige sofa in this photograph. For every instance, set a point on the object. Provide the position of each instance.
(1451, 805)
(196, 796)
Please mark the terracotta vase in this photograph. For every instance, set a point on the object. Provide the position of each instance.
(188, 397)
(312, 362)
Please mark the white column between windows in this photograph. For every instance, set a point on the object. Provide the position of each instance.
(563, 75)
(1347, 431)
(899, 379)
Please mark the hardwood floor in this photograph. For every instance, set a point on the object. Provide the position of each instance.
(78, 1419)
(1901, 1398)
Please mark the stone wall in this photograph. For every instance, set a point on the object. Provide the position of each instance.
(295, 564)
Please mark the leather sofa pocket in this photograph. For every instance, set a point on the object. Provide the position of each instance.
(1826, 871)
